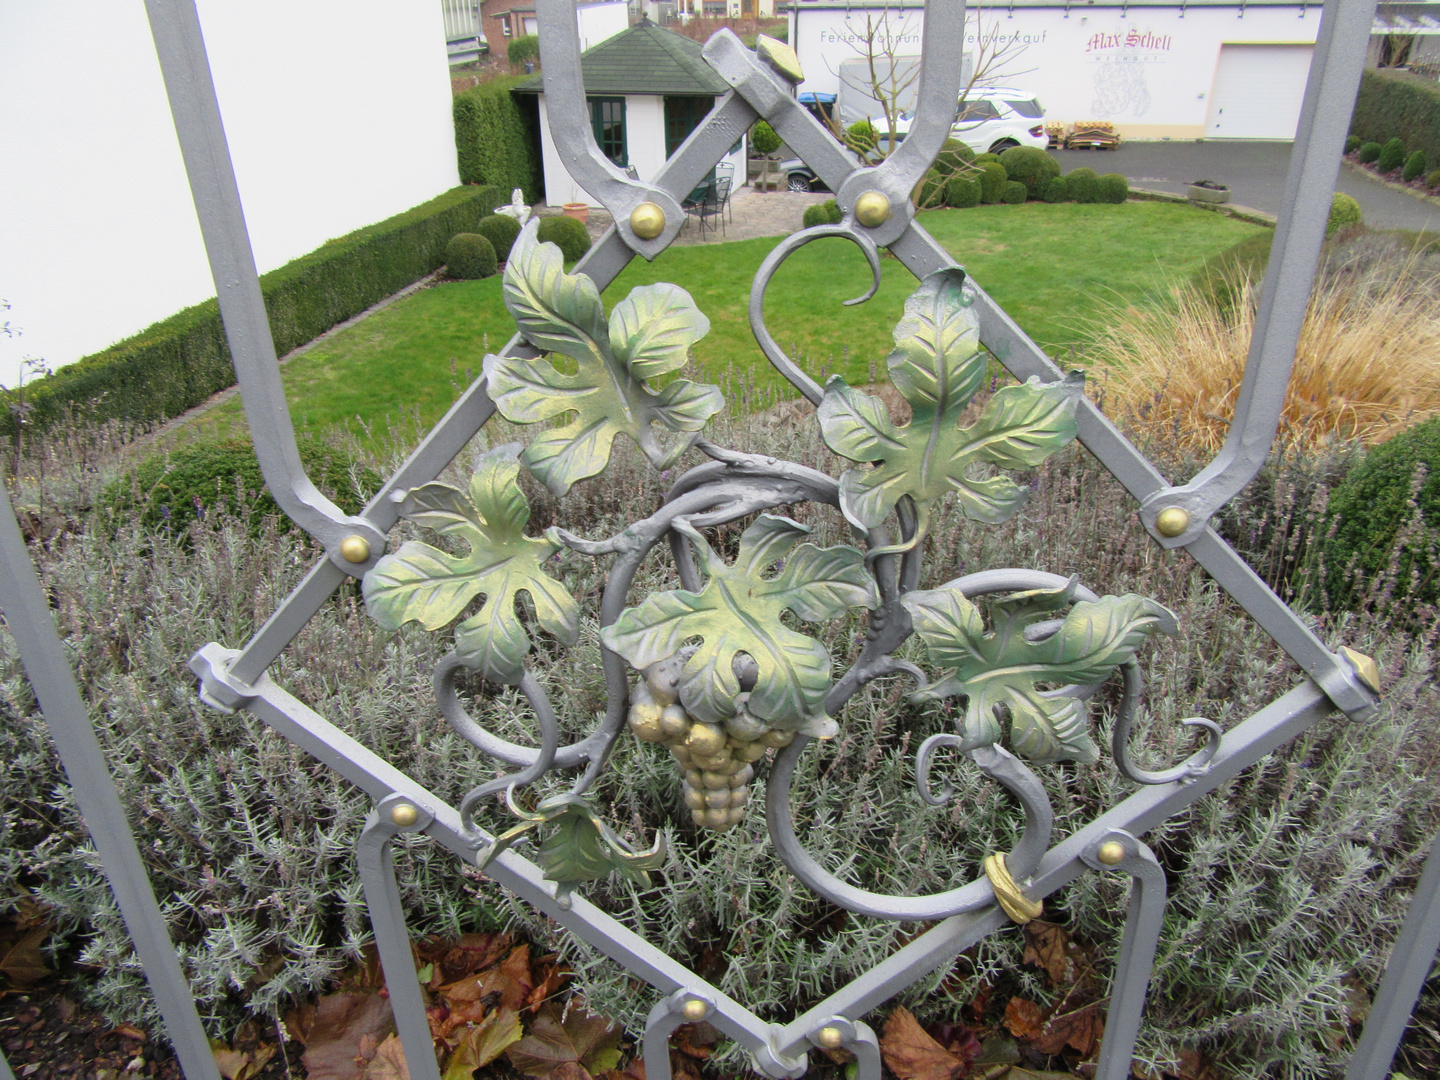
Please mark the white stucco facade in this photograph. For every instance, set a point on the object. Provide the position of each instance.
(644, 146)
(337, 114)
(1152, 70)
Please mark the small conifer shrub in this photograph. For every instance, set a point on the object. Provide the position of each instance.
(1111, 188)
(1414, 166)
(470, 256)
(1352, 143)
(569, 235)
(1344, 212)
(1432, 179)
(1370, 152)
(1392, 156)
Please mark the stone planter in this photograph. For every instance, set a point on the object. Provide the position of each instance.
(578, 210)
(1207, 191)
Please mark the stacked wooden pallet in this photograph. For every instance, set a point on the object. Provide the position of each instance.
(1056, 132)
(1096, 134)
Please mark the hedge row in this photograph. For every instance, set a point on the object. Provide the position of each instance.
(176, 364)
(1394, 104)
(496, 141)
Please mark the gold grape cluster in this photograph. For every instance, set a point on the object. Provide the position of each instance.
(718, 760)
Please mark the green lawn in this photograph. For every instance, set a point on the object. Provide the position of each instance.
(1046, 264)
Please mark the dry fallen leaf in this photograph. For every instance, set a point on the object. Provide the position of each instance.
(483, 1043)
(911, 1054)
(342, 1028)
(1080, 1029)
(240, 1064)
(24, 963)
(1048, 946)
(696, 1040)
(511, 979)
(1024, 1018)
(388, 1062)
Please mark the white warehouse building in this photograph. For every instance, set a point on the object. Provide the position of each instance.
(1187, 70)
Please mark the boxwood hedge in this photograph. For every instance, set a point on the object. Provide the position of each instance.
(1398, 105)
(496, 141)
(177, 363)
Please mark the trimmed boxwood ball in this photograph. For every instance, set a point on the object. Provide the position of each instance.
(1369, 508)
(963, 191)
(1352, 143)
(469, 256)
(1083, 185)
(862, 138)
(1057, 190)
(1344, 212)
(824, 213)
(569, 235)
(501, 230)
(992, 182)
(1014, 193)
(1111, 188)
(1392, 156)
(1432, 180)
(1369, 152)
(169, 491)
(986, 158)
(1031, 166)
(1414, 166)
(954, 156)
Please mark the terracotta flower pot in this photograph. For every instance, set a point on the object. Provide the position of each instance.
(578, 210)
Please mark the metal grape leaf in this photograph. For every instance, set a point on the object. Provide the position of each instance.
(582, 847)
(648, 335)
(739, 611)
(423, 584)
(1005, 666)
(937, 364)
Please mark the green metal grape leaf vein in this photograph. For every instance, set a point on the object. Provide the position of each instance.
(1006, 668)
(421, 583)
(938, 366)
(649, 334)
(739, 610)
(581, 848)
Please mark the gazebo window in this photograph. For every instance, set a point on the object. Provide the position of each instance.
(682, 116)
(607, 118)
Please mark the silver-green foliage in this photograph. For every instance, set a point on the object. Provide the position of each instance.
(1285, 887)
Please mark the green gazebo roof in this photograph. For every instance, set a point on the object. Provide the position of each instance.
(646, 59)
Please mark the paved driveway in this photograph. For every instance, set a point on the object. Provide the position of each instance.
(1254, 172)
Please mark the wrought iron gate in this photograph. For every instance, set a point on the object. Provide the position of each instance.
(753, 684)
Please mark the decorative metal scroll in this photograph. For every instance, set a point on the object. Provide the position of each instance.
(728, 671)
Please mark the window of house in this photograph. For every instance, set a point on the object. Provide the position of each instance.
(607, 120)
(682, 116)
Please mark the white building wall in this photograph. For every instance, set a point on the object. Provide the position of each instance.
(601, 22)
(1150, 71)
(644, 146)
(337, 113)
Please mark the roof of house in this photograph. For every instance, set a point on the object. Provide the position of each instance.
(646, 59)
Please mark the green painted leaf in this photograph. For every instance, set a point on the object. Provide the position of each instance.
(1000, 667)
(421, 583)
(739, 610)
(938, 365)
(649, 334)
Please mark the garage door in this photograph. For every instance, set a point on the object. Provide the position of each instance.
(1258, 91)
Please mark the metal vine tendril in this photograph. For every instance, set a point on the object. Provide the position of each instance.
(719, 678)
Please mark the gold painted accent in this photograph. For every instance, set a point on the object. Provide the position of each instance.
(694, 1009)
(648, 220)
(1172, 521)
(830, 1037)
(355, 549)
(1111, 853)
(1017, 905)
(779, 56)
(404, 814)
(872, 209)
(1365, 667)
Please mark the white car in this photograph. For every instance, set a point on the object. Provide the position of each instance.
(992, 119)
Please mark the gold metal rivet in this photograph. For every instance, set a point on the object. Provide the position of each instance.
(694, 1009)
(648, 220)
(1111, 853)
(355, 549)
(403, 814)
(872, 209)
(830, 1037)
(1365, 667)
(1172, 521)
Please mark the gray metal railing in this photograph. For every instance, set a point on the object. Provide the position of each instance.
(734, 703)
